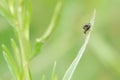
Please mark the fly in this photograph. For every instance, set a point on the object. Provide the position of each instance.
(86, 27)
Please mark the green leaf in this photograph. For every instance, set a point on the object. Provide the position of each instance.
(5, 13)
(68, 74)
(36, 49)
(40, 41)
(30, 76)
(25, 16)
(52, 23)
(16, 53)
(11, 63)
(28, 10)
(53, 75)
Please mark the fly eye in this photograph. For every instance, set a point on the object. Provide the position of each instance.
(86, 27)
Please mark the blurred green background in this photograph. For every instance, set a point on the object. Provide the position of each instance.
(101, 60)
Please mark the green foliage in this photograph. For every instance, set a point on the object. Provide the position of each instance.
(11, 63)
(53, 75)
(18, 14)
(16, 52)
(72, 67)
(40, 41)
(101, 58)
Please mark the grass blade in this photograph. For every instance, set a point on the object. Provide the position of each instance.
(71, 69)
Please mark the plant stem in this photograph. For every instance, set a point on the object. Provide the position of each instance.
(25, 49)
(23, 38)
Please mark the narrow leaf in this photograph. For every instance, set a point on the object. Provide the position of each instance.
(10, 61)
(16, 53)
(53, 75)
(29, 10)
(25, 16)
(6, 14)
(40, 41)
(30, 76)
(52, 23)
(71, 69)
(37, 49)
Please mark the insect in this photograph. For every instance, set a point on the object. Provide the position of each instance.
(86, 27)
